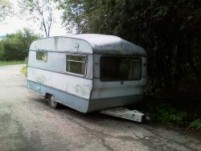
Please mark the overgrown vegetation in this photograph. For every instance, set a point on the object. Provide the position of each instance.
(168, 113)
(165, 113)
(16, 46)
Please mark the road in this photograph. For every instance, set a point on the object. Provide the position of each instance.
(28, 124)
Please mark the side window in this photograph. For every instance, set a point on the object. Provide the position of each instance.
(76, 64)
(41, 56)
(120, 68)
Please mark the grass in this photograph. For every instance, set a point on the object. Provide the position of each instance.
(4, 63)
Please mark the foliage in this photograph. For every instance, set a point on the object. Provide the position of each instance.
(1, 48)
(16, 46)
(73, 16)
(170, 31)
(24, 70)
(12, 51)
(165, 113)
(40, 11)
(5, 8)
(196, 124)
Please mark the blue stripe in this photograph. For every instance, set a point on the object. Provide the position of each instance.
(64, 98)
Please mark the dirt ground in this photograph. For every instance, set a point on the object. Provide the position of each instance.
(27, 123)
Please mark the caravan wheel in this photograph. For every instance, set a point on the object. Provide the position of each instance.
(52, 102)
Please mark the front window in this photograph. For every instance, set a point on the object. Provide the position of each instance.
(120, 68)
(75, 64)
(41, 56)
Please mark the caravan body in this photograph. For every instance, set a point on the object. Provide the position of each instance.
(88, 72)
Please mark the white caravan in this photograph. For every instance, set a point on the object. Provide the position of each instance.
(87, 72)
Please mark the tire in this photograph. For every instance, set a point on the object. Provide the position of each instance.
(52, 102)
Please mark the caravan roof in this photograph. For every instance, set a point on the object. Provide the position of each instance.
(88, 43)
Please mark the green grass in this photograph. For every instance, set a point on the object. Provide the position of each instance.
(4, 63)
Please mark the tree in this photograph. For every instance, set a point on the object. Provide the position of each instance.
(73, 18)
(170, 31)
(5, 7)
(16, 46)
(40, 11)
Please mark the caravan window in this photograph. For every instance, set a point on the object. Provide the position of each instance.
(76, 64)
(120, 68)
(42, 56)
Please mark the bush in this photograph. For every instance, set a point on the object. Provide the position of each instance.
(24, 70)
(167, 114)
(16, 46)
(13, 52)
(196, 124)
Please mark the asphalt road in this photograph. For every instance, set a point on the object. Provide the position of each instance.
(27, 123)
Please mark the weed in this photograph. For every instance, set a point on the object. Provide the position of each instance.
(24, 70)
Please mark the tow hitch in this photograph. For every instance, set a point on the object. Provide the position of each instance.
(125, 113)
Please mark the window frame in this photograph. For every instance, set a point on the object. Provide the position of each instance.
(44, 53)
(70, 60)
(123, 56)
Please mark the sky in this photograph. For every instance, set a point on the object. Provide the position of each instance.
(17, 22)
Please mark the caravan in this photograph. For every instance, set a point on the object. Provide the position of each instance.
(87, 72)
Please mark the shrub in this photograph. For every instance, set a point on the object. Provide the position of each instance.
(13, 52)
(24, 70)
(167, 114)
(196, 124)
